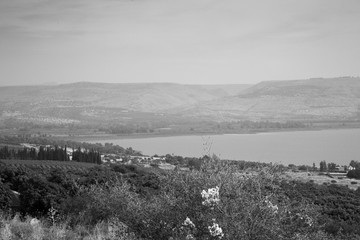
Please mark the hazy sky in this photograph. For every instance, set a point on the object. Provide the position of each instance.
(183, 41)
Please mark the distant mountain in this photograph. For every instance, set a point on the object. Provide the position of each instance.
(84, 100)
(311, 88)
(312, 99)
(138, 97)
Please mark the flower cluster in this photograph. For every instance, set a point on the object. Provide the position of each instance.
(273, 207)
(215, 230)
(188, 223)
(52, 215)
(211, 197)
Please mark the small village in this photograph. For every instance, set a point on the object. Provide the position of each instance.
(163, 162)
(145, 161)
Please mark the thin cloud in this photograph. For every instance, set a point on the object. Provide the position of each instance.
(183, 40)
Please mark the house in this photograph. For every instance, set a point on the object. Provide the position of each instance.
(339, 168)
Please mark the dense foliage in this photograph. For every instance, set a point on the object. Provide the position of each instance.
(354, 174)
(339, 205)
(217, 201)
(41, 188)
(5, 195)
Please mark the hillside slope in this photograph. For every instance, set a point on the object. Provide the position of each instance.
(76, 102)
(313, 99)
(301, 100)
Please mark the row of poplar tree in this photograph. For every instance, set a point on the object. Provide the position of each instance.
(51, 153)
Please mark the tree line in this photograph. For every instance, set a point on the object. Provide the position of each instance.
(328, 167)
(103, 148)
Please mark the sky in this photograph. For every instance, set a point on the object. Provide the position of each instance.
(181, 41)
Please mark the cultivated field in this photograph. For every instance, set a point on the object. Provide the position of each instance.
(317, 178)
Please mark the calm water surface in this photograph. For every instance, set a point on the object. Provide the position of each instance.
(302, 147)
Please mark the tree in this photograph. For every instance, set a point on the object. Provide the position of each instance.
(355, 164)
(303, 168)
(331, 166)
(354, 174)
(195, 163)
(323, 167)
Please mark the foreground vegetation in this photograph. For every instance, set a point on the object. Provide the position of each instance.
(217, 201)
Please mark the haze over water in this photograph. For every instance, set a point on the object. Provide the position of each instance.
(301, 147)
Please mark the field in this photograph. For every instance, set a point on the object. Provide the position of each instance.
(339, 179)
(47, 164)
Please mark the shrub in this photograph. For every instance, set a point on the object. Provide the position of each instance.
(303, 168)
(214, 202)
(354, 174)
(17, 229)
(232, 206)
(5, 196)
(122, 168)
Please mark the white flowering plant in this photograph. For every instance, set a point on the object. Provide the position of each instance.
(274, 209)
(188, 223)
(215, 230)
(211, 197)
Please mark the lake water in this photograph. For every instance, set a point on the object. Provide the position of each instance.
(301, 147)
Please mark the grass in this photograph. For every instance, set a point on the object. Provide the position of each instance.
(33, 229)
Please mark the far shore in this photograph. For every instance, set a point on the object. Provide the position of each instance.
(102, 137)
